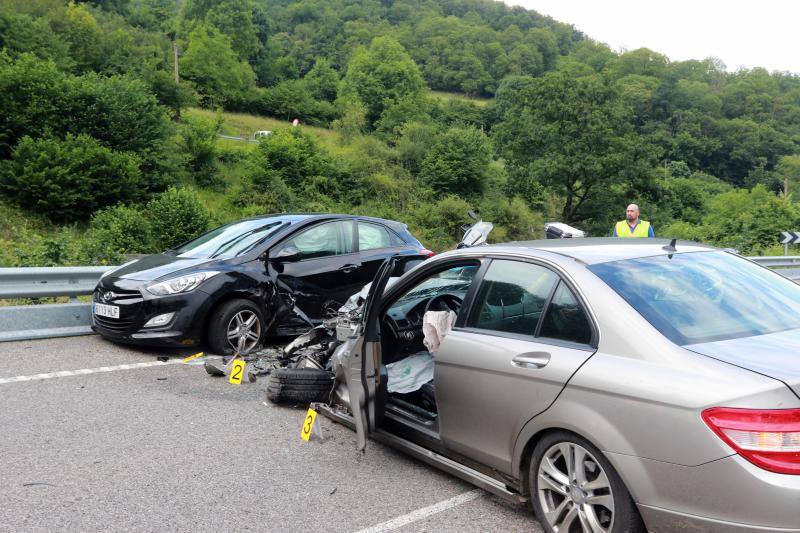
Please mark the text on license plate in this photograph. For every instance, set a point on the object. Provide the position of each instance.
(111, 311)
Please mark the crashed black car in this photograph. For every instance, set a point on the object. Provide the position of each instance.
(237, 284)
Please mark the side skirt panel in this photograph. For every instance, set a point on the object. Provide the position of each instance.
(441, 462)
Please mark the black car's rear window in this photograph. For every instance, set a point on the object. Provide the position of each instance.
(701, 297)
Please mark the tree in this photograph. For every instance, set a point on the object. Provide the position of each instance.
(352, 118)
(415, 140)
(215, 69)
(380, 76)
(322, 81)
(788, 169)
(458, 161)
(20, 34)
(641, 61)
(574, 136)
(85, 37)
(171, 94)
(234, 18)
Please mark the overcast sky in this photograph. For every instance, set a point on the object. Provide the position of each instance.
(753, 33)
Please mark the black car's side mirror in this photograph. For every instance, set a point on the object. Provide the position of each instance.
(286, 254)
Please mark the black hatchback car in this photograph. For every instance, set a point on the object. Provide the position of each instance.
(231, 287)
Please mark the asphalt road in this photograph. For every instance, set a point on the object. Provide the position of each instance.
(167, 447)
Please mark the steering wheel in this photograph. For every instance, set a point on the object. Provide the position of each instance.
(444, 302)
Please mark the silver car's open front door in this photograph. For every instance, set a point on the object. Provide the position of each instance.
(364, 363)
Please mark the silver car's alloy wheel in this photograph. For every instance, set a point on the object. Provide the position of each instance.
(244, 332)
(574, 491)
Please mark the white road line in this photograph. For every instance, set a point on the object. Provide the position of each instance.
(84, 371)
(425, 512)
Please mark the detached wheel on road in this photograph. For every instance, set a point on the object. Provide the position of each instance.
(574, 489)
(299, 385)
(236, 328)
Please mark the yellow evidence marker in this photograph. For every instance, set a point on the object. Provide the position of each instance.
(308, 424)
(237, 372)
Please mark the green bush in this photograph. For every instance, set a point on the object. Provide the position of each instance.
(513, 220)
(176, 216)
(69, 179)
(199, 137)
(458, 162)
(34, 96)
(59, 248)
(749, 221)
(291, 155)
(438, 225)
(118, 230)
(271, 195)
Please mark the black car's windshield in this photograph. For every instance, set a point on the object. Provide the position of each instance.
(229, 241)
(705, 296)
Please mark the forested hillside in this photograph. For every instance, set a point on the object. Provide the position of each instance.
(414, 110)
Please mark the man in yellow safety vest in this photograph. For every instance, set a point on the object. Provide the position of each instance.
(632, 226)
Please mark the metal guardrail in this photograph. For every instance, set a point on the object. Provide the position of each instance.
(237, 138)
(786, 265)
(22, 322)
(778, 261)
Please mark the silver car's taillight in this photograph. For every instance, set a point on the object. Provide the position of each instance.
(768, 438)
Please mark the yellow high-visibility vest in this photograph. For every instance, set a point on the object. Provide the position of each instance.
(624, 230)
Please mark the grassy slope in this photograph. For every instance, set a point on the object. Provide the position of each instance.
(244, 125)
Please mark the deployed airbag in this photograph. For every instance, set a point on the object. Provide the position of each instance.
(435, 326)
(410, 374)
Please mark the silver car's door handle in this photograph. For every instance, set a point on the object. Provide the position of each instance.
(532, 360)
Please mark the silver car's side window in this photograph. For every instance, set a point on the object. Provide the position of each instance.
(565, 319)
(512, 297)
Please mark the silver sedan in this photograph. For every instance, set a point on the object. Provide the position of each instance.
(614, 385)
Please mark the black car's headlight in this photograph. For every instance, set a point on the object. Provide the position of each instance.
(180, 284)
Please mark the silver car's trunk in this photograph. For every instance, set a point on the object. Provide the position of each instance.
(776, 355)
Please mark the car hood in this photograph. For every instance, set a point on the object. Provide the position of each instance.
(776, 355)
(155, 266)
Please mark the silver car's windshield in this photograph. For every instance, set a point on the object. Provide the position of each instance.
(701, 297)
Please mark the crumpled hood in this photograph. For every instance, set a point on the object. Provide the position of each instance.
(776, 355)
(155, 266)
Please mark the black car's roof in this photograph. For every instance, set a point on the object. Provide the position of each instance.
(602, 249)
(294, 218)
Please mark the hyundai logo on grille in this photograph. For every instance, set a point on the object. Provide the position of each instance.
(108, 296)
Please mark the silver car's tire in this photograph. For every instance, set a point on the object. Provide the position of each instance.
(574, 489)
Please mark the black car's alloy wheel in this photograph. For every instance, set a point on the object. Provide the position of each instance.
(236, 328)
(574, 489)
